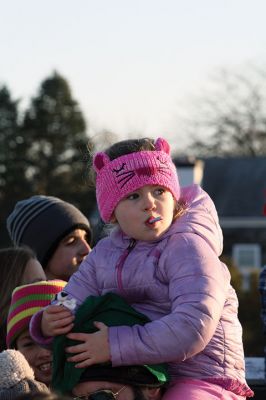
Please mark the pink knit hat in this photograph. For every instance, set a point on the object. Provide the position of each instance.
(125, 174)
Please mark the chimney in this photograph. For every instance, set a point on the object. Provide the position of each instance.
(189, 169)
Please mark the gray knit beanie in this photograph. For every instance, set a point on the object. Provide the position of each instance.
(17, 377)
(40, 222)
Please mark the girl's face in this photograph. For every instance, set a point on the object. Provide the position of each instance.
(33, 272)
(40, 359)
(136, 210)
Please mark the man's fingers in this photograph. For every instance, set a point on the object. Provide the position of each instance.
(78, 336)
(76, 349)
(84, 364)
(82, 360)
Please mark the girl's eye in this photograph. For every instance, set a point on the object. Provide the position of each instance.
(132, 196)
(28, 344)
(159, 191)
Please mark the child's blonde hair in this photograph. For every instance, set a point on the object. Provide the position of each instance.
(181, 208)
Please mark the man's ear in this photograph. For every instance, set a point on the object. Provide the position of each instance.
(152, 393)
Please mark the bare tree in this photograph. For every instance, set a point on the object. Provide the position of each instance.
(231, 116)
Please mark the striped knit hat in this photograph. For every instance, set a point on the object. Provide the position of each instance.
(40, 222)
(25, 302)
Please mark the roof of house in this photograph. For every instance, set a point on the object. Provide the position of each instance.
(236, 185)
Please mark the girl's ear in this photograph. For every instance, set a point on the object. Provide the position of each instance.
(100, 160)
(113, 219)
(162, 145)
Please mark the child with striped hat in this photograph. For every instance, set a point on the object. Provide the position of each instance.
(26, 301)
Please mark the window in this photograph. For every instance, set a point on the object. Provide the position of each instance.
(247, 256)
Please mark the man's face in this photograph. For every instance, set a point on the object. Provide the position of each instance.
(68, 256)
(124, 392)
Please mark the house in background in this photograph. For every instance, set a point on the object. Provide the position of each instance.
(190, 170)
(238, 189)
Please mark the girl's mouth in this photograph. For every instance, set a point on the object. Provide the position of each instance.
(45, 367)
(153, 220)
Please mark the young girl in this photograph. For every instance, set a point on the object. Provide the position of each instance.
(27, 300)
(18, 266)
(162, 258)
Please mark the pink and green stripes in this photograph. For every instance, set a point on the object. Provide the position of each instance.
(26, 301)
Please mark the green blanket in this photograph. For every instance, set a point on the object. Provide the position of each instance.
(110, 309)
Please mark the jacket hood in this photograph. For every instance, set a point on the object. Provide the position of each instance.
(200, 218)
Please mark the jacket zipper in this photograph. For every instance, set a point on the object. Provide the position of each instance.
(121, 262)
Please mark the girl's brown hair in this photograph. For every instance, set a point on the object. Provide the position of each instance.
(13, 262)
(129, 146)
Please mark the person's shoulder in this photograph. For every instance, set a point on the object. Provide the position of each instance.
(188, 248)
(263, 271)
(200, 218)
(262, 279)
(188, 242)
(189, 254)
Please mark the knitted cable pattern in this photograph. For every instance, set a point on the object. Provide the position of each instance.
(125, 174)
(14, 368)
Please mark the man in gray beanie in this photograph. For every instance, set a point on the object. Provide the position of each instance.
(57, 231)
(17, 377)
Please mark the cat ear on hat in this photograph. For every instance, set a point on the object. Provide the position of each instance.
(162, 145)
(100, 160)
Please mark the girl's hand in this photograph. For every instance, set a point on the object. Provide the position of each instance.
(94, 349)
(56, 320)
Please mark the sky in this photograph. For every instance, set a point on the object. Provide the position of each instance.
(132, 65)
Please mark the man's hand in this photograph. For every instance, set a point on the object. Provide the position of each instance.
(94, 349)
(56, 320)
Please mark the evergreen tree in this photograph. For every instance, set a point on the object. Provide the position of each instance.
(55, 132)
(13, 181)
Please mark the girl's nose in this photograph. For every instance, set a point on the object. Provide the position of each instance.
(148, 202)
(43, 352)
